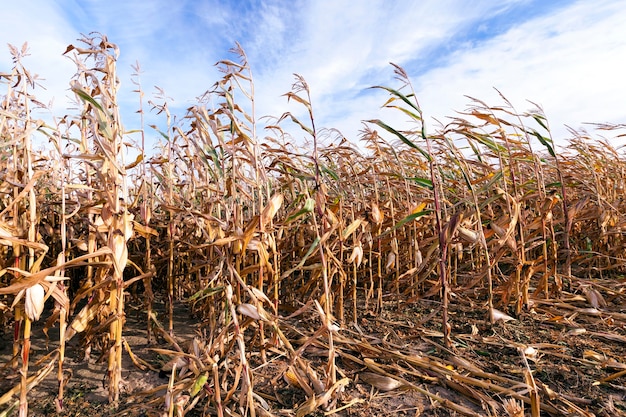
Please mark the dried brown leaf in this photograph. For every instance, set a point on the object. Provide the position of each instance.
(380, 382)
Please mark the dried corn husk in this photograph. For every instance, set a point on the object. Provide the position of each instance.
(377, 215)
(380, 382)
(467, 235)
(357, 255)
(34, 302)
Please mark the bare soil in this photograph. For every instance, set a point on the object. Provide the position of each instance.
(577, 359)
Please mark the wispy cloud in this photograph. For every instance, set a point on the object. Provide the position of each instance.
(568, 61)
(46, 31)
(564, 55)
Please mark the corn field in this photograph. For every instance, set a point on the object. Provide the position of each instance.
(336, 270)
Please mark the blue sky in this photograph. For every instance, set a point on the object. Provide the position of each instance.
(568, 56)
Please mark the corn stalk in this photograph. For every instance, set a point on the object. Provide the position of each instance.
(415, 112)
(99, 93)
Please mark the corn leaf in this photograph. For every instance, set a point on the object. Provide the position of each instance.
(547, 142)
(400, 136)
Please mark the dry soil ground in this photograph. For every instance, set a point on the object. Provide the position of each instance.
(578, 361)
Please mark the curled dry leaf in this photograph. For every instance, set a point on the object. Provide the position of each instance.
(577, 331)
(416, 208)
(271, 209)
(593, 356)
(391, 261)
(321, 400)
(464, 363)
(458, 248)
(6, 231)
(497, 315)
(351, 228)
(180, 403)
(82, 245)
(594, 297)
(260, 295)
(307, 408)
(419, 259)
(251, 311)
(380, 382)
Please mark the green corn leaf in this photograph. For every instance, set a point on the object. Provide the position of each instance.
(330, 172)
(400, 136)
(422, 182)
(86, 97)
(312, 248)
(488, 142)
(205, 292)
(495, 179)
(475, 150)
(9, 411)
(308, 207)
(299, 123)
(400, 96)
(540, 119)
(547, 142)
(407, 219)
(407, 112)
(197, 386)
(212, 152)
(165, 136)
(412, 217)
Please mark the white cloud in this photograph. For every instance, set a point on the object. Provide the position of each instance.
(569, 62)
(44, 30)
(568, 58)
(345, 47)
